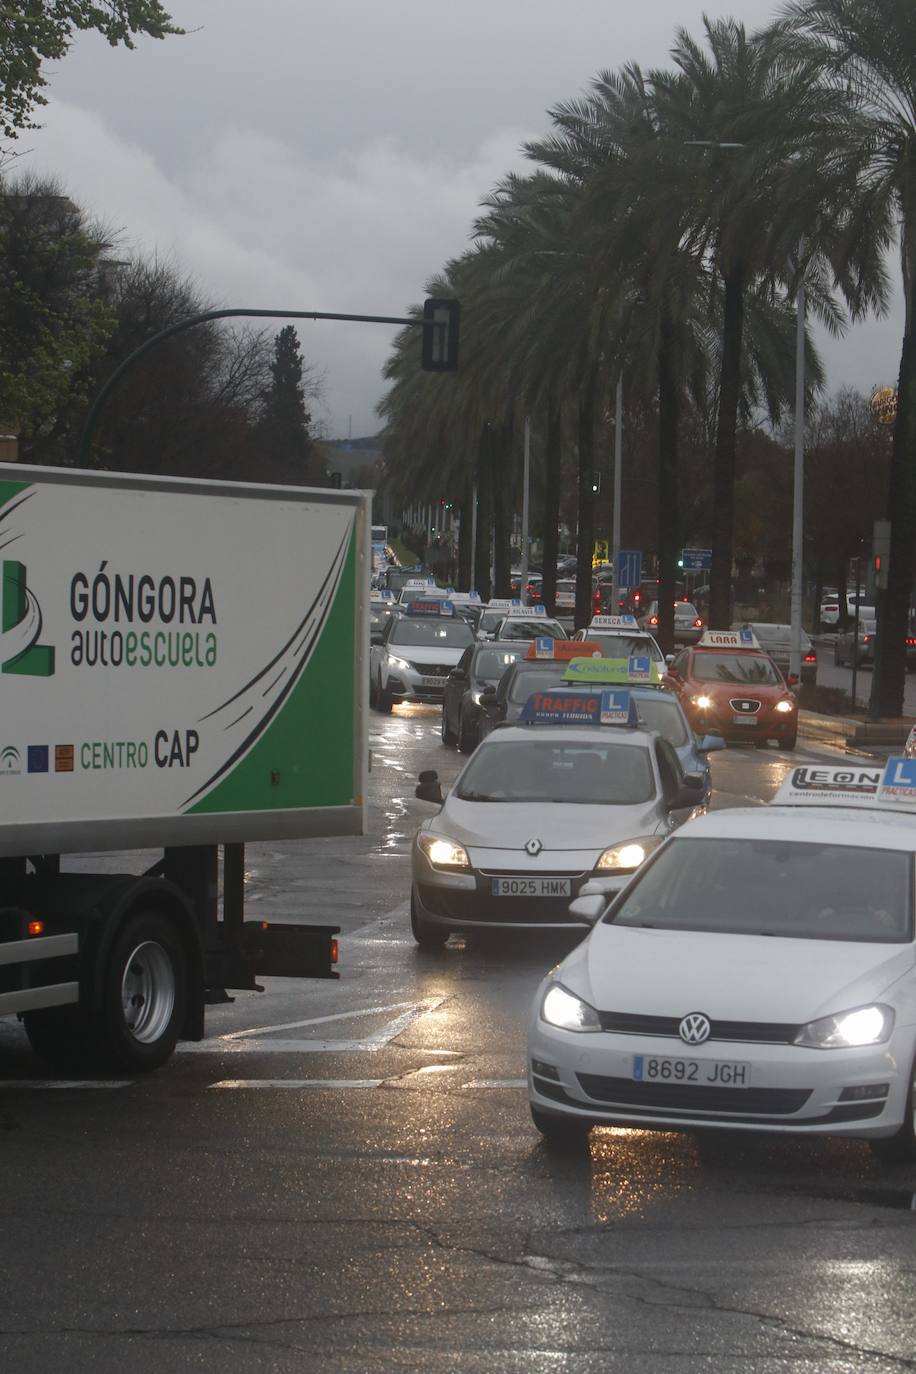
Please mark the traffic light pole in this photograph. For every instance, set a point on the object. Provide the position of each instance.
(440, 345)
(618, 486)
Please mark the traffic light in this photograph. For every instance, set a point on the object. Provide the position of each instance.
(439, 351)
(881, 551)
(596, 483)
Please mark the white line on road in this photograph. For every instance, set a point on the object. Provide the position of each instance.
(298, 1083)
(257, 1040)
(55, 1083)
(496, 1083)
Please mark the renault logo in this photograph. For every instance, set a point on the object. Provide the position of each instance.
(694, 1028)
(533, 848)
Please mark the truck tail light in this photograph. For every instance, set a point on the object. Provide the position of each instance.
(333, 951)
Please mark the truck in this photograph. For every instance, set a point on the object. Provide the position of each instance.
(182, 672)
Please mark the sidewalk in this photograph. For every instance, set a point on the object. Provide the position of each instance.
(851, 732)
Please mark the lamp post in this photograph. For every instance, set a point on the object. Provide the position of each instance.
(618, 487)
(523, 588)
(798, 486)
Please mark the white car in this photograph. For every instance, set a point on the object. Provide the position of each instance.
(758, 973)
(542, 807)
(529, 623)
(411, 657)
(620, 637)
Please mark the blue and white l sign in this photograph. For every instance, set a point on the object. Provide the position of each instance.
(898, 785)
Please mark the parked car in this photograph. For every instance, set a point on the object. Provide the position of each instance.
(844, 646)
(776, 640)
(830, 608)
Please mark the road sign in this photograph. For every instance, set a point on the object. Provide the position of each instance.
(599, 555)
(629, 569)
(696, 560)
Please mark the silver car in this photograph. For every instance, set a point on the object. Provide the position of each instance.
(410, 659)
(538, 811)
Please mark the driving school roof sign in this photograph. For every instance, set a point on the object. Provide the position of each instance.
(580, 708)
(898, 783)
(830, 787)
(728, 639)
(637, 669)
(432, 606)
(613, 622)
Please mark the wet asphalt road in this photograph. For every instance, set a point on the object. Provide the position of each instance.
(343, 1176)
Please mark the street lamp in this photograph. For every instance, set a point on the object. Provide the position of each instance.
(798, 484)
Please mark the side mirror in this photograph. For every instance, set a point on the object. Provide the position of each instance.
(589, 909)
(428, 787)
(376, 637)
(458, 675)
(710, 743)
(689, 794)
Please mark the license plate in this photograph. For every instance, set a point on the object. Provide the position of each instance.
(744, 720)
(530, 887)
(707, 1073)
(433, 681)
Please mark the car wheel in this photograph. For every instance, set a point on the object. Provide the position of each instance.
(383, 700)
(448, 736)
(900, 1148)
(371, 692)
(466, 741)
(426, 936)
(789, 741)
(561, 1132)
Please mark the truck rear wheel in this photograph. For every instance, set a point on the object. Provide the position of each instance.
(144, 993)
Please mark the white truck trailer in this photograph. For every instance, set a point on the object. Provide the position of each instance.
(181, 670)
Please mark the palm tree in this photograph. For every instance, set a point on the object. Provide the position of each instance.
(867, 53)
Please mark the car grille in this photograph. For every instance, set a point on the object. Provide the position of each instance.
(744, 706)
(433, 669)
(686, 1098)
(481, 905)
(753, 1032)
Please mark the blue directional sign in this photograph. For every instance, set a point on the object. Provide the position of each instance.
(629, 569)
(696, 560)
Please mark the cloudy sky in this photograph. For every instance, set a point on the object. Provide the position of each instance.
(330, 154)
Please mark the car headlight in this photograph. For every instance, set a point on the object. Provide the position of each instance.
(443, 853)
(703, 702)
(624, 858)
(848, 1029)
(395, 662)
(785, 706)
(568, 1012)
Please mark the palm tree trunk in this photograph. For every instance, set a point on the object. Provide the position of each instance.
(585, 538)
(668, 522)
(484, 509)
(889, 677)
(723, 501)
(552, 478)
(465, 511)
(502, 467)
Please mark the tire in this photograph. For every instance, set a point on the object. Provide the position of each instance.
(371, 691)
(383, 702)
(64, 1038)
(448, 736)
(426, 936)
(561, 1132)
(144, 993)
(466, 741)
(900, 1148)
(790, 740)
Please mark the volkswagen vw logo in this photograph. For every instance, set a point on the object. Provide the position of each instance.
(533, 848)
(694, 1028)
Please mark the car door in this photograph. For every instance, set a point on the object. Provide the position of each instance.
(455, 688)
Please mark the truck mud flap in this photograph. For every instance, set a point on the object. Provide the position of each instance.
(291, 951)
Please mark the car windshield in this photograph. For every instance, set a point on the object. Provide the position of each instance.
(662, 713)
(379, 617)
(578, 772)
(535, 628)
(775, 887)
(745, 668)
(490, 664)
(624, 645)
(434, 631)
(540, 677)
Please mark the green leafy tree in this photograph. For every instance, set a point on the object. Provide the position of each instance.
(33, 32)
(284, 451)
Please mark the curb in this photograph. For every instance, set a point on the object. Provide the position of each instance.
(847, 732)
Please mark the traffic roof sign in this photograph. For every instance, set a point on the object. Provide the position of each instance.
(728, 639)
(564, 707)
(637, 669)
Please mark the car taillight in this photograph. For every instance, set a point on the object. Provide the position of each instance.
(910, 643)
(698, 623)
(810, 658)
(653, 619)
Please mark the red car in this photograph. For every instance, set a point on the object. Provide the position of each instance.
(735, 691)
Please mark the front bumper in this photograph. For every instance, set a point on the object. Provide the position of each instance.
(403, 684)
(769, 724)
(790, 1089)
(465, 901)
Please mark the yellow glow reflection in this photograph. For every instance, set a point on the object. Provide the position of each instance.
(633, 1170)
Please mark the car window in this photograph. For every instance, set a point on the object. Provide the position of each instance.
(775, 887)
(683, 608)
(623, 645)
(743, 668)
(539, 771)
(661, 712)
(490, 664)
(435, 631)
(539, 678)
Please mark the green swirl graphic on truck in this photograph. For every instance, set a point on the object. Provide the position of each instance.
(20, 627)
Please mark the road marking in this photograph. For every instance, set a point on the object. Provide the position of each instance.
(497, 1083)
(298, 1083)
(54, 1083)
(256, 1040)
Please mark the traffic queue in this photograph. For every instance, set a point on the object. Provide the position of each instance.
(740, 969)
